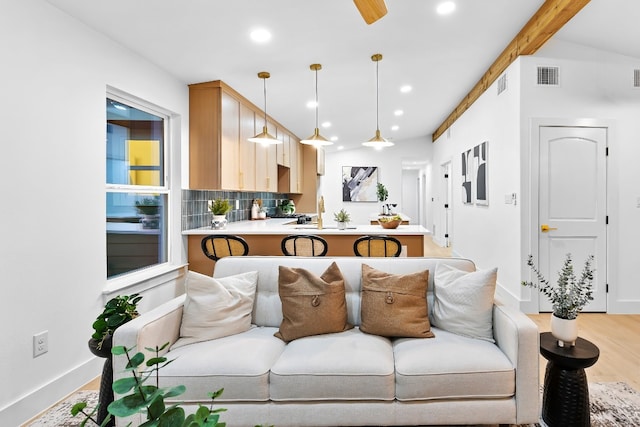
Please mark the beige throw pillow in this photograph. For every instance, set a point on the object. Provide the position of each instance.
(311, 305)
(463, 301)
(395, 305)
(216, 308)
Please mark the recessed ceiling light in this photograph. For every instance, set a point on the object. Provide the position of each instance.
(341, 147)
(406, 89)
(395, 127)
(120, 107)
(311, 104)
(260, 35)
(334, 138)
(398, 113)
(446, 8)
(326, 124)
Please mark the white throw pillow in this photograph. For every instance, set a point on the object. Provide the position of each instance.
(463, 301)
(216, 308)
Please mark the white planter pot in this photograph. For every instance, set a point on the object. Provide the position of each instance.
(219, 222)
(564, 330)
(341, 225)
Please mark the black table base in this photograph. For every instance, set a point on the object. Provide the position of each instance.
(566, 397)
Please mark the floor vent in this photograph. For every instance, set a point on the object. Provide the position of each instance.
(548, 76)
(636, 78)
(502, 83)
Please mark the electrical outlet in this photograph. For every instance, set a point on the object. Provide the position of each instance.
(40, 343)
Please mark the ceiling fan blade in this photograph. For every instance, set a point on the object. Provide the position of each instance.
(371, 10)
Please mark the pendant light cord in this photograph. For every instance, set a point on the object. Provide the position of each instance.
(264, 81)
(316, 98)
(377, 97)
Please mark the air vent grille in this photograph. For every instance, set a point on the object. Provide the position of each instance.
(502, 83)
(548, 76)
(636, 78)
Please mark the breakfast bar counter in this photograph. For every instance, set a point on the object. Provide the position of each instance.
(264, 237)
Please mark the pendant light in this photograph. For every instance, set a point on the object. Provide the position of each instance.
(265, 137)
(316, 138)
(377, 141)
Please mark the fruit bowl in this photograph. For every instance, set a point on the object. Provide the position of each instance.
(390, 222)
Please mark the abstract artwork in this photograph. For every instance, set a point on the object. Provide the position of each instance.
(480, 165)
(466, 177)
(359, 183)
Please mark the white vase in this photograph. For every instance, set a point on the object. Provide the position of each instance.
(219, 222)
(564, 330)
(341, 225)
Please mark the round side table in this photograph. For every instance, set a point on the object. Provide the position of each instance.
(565, 401)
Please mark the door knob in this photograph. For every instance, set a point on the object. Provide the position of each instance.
(545, 227)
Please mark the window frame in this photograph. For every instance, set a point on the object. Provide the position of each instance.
(144, 274)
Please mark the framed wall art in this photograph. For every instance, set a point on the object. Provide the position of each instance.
(467, 177)
(480, 169)
(359, 183)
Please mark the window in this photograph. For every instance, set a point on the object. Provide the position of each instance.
(137, 191)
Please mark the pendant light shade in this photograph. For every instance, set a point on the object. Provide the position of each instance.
(265, 137)
(377, 141)
(316, 138)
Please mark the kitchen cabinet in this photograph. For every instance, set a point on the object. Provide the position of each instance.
(320, 160)
(295, 165)
(220, 157)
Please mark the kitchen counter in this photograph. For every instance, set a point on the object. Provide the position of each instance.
(264, 238)
(286, 226)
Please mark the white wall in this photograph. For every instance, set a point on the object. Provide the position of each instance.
(389, 163)
(54, 76)
(595, 85)
(489, 235)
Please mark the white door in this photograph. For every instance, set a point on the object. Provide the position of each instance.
(572, 205)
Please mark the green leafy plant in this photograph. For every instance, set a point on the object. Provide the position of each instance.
(220, 206)
(342, 216)
(381, 192)
(148, 205)
(150, 399)
(117, 311)
(571, 294)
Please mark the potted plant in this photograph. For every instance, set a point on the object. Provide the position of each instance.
(149, 207)
(219, 209)
(568, 298)
(342, 218)
(117, 311)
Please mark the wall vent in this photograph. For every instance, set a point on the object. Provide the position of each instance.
(548, 76)
(636, 78)
(502, 83)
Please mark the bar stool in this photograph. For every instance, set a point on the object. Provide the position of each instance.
(377, 246)
(216, 246)
(304, 245)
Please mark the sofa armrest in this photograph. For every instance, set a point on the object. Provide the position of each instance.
(151, 329)
(518, 337)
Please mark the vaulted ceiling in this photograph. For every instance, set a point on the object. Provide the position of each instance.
(441, 57)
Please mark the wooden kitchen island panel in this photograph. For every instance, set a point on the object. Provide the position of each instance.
(269, 244)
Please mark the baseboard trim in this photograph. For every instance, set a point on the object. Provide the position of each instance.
(26, 407)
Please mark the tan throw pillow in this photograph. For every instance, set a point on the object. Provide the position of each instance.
(463, 301)
(311, 305)
(216, 308)
(395, 305)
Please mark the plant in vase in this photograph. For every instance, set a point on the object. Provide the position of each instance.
(219, 209)
(117, 311)
(149, 207)
(382, 195)
(568, 297)
(342, 218)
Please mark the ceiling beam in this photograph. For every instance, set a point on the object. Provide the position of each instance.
(551, 16)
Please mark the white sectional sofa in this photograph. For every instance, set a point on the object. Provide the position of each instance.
(348, 378)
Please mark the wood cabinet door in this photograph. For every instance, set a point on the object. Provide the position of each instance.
(283, 150)
(247, 156)
(295, 165)
(320, 160)
(229, 144)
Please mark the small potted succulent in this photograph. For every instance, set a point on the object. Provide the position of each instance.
(219, 209)
(568, 297)
(342, 218)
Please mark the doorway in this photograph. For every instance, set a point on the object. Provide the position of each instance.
(571, 204)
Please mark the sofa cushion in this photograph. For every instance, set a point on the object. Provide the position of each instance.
(463, 301)
(311, 304)
(216, 308)
(240, 363)
(451, 366)
(395, 305)
(349, 365)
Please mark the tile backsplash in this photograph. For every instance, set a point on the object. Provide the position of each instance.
(195, 213)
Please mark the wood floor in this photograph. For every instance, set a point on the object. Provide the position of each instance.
(618, 338)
